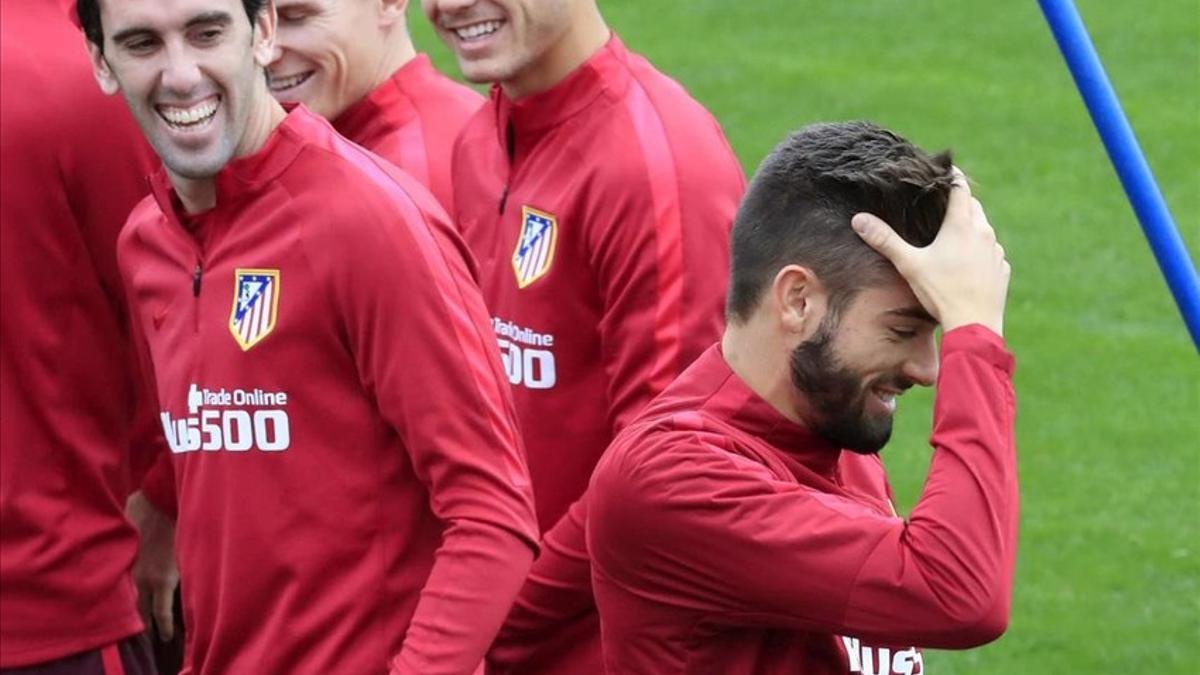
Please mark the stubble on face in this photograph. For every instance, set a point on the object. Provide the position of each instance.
(195, 124)
(837, 395)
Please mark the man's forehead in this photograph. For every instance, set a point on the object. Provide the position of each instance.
(162, 13)
(891, 298)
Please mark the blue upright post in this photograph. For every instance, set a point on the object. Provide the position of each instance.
(1126, 157)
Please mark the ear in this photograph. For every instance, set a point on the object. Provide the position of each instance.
(799, 300)
(103, 74)
(264, 35)
(392, 12)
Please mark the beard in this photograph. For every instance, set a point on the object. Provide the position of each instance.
(838, 396)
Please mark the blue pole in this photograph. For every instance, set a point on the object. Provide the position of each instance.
(1127, 159)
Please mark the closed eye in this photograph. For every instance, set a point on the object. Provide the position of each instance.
(293, 17)
(139, 45)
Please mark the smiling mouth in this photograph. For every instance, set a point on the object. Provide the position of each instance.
(278, 84)
(477, 31)
(887, 397)
(192, 117)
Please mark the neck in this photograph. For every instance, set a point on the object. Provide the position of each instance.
(586, 36)
(755, 355)
(196, 194)
(200, 194)
(397, 52)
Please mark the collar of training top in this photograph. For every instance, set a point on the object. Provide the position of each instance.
(606, 71)
(244, 177)
(378, 109)
(733, 401)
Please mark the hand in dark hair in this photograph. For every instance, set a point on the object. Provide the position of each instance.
(962, 277)
(805, 192)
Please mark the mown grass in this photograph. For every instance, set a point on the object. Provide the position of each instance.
(1108, 382)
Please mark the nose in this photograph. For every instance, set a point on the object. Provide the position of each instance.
(922, 365)
(181, 74)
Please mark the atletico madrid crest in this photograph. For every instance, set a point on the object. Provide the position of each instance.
(535, 246)
(255, 305)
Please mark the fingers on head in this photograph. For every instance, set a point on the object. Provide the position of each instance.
(880, 236)
(959, 178)
(959, 205)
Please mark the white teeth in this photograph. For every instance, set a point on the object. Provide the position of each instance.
(477, 30)
(281, 83)
(189, 116)
(887, 398)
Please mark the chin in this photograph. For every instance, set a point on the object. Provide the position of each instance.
(860, 435)
(197, 168)
(487, 70)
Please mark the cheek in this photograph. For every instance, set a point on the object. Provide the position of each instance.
(312, 45)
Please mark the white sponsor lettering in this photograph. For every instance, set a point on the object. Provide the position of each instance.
(869, 660)
(517, 333)
(533, 368)
(232, 429)
(528, 359)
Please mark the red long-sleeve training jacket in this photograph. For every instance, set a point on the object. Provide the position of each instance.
(350, 482)
(726, 539)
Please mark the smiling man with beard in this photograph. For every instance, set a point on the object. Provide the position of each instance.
(315, 335)
(743, 523)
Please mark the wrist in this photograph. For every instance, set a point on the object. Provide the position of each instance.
(994, 324)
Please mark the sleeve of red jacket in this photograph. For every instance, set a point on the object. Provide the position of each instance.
(688, 522)
(660, 253)
(554, 605)
(420, 336)
(152, 469)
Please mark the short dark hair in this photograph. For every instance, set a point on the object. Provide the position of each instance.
(798, 207)
(89, 18)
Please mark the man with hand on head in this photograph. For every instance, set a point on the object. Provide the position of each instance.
(743, 523)
(315, 336)
(596, 196)
(353, 63)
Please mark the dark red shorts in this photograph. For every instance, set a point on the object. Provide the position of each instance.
(131, 656)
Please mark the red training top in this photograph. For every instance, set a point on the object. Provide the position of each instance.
(66, 370)
(599, 212)
(727, 539)
(337, 413)
(411, 120)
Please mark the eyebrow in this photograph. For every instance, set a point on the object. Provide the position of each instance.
(214, 17)
(917, 313)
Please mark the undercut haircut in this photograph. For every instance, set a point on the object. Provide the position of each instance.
(798, 207)
(89, 18)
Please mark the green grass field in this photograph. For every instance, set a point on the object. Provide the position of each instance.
(1108, 382)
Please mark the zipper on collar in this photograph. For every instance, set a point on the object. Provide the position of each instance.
(510, 147)
(197, 275)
